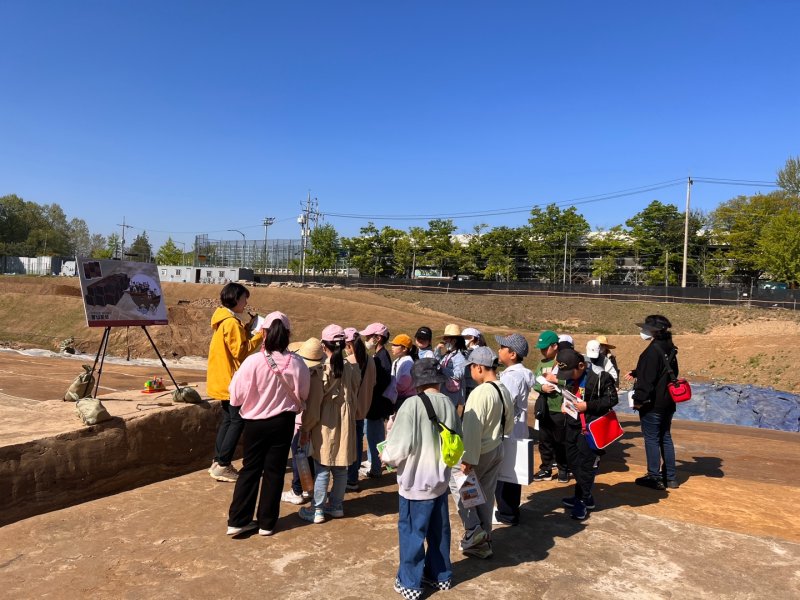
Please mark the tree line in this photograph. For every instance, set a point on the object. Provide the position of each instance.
(743, 240)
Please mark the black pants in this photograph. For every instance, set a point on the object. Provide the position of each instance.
(508, 497)
(552, 440)
(228, 434)
(581, 462)
(266, 450)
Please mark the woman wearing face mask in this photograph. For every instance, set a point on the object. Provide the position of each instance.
(656, 407)
(451, 353)
(375, 336)
(472, 339)
(357, 354)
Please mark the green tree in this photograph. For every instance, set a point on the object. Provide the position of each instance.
(113, 248)
(779, 247)
(79, 239)
(547, 233)
(169, 254)
(440, 249)
(140, 250)
(789, 176)
(606, 249)
(499, 250)
(323, 248)
(97, 245)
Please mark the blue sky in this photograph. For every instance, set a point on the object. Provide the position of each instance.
(201, 116)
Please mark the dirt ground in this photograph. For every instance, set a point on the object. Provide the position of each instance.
(716, 343)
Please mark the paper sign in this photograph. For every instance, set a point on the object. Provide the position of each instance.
(469, 489)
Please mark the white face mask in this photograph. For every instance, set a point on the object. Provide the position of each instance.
(645, 336)
(448, 347)
(370, 344)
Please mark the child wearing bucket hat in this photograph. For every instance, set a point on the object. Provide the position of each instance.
(451, 352)
(332, 426)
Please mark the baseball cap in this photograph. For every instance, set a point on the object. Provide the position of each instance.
(482, 355)
(547, 339)
(470, 332)
(567, 361)
(350, 334)
(592, 349)
(276, 316)
(376, 329)
(514, 342)
(424, 333)
(402, 340)
(332, 333)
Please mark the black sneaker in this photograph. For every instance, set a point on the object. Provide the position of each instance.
(650, 482)
(544, 475)
(563, 476)
(672, 484)
(579, 512)
(353, 487)
(572, 500)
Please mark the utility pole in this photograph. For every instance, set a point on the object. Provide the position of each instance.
(666, 272)
(267, 222)
(124, 227)
(686, 230)
(564, 280)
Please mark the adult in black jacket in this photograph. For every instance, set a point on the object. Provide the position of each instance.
(655, 405)
(597, 394)
(375, 336)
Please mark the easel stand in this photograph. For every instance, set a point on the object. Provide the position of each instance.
(101, 356)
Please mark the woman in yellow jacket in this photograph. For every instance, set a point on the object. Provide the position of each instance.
(231, 343)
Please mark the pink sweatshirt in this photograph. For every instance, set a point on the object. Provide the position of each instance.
(258, 390)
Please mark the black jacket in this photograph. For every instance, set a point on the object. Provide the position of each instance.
(381, 407)
(600, 396)
(650, 389)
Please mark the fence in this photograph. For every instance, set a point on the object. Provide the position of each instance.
(731, 296)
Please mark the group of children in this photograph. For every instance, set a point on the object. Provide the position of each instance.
(321, 396)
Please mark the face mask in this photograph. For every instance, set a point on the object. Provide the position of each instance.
(448, 347)
(370, 344)
(645, 336)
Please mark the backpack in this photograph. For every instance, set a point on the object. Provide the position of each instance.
(451, 443)
(81, 387)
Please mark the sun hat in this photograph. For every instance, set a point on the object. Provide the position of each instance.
(547, 339)
(603, 341)
(471, 332)
(375, 329)
(350, 334)
(452, 330)
(276, 316)
(310, 351)
(483, 356)
(424, 333)
(402, 340)
(592, 349)
(514, 342)
(427, 371)
(332, 333)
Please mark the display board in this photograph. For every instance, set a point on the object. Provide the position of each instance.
(117, 293)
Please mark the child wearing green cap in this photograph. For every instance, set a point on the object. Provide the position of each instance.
(552, 422)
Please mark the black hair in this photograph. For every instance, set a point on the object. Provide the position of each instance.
(413, 352)
(517, 358)
(360, 352)
(337, 358)
(231, 294)
(458, 343)
(383, 338)
(276, 338)
(660, 326)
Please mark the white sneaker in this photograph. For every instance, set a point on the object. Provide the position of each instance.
(227, 473)
(266, 532)
(473, 538)
(293, 498)
(237, 530)
(211, 468)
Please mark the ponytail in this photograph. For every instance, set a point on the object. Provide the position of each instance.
(337, 358)
(360, 352)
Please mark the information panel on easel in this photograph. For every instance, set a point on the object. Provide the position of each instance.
(118, 293)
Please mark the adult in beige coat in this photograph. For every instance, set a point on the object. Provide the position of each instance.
(331, 423)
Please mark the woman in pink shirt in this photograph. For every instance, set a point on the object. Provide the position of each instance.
(270, 388)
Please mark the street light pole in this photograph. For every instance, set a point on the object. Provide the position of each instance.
(267, 222)
(244, 242)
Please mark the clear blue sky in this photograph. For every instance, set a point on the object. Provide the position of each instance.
(199, 116)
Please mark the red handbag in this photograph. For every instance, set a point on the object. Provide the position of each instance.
(678, 388)
(603, 431)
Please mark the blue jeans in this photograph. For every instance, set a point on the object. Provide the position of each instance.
(418, 521)
(352, 470)
(228, 434)
(375, 435)
(323, 477)
(658, 444)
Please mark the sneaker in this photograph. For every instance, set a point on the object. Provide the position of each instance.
(306, 496)
(353, 487)
(571, 501)
(437, 585)
(311, 514)
(563, 476)
(672, 484)
(266, 532)
(211, 468)
(293, 498)
(650, 482)
(405, 592)
(226, 473)
(483, 550)
(473, 538)
(237, 530)
(544, 475)
(336, 513)
(367, 473)
(579, 511)
(596, 463)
